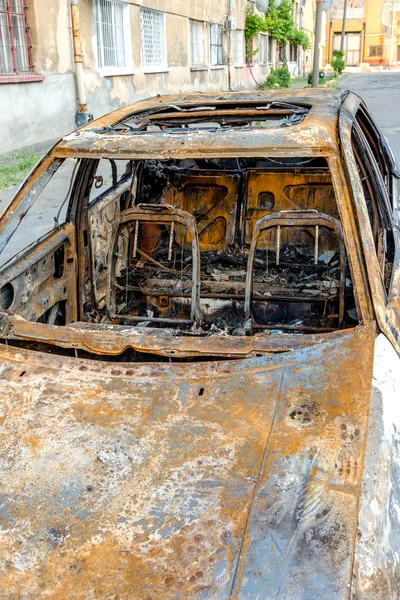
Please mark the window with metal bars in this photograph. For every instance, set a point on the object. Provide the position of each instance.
(112, 25)
(153, 42)
(196, 32)
(15, 47)
(216, 50)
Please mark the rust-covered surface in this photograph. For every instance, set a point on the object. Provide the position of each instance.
(186, 361)
(173, 481)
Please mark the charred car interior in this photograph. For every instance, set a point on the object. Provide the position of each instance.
(208, 246)
(230, 245)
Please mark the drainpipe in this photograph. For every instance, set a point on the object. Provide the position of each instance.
(82, 116)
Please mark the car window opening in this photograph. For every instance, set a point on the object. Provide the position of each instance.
(227, 247)
(174, 118)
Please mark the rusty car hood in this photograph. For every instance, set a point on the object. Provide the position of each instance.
(231, 479)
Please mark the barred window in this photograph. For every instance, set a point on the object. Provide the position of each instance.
(263, 49)
(293, 53)
(238, 47)
(112, 26)
(216, 51)
(152, 31)
(196, 32)
(15, 48)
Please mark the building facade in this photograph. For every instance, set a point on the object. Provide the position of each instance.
(372, 34)
(131, 49)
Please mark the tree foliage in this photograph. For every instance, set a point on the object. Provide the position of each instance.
(300, 38)
(278, 23)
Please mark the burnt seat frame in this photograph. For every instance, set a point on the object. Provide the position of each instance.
(159, 213)
(306, 218)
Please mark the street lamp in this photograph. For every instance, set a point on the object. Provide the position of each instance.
(324, 5)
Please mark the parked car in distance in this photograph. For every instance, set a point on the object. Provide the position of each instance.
(200, 355)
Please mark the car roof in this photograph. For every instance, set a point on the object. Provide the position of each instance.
(315, 134)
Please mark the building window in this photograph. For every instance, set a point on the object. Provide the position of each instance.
(270, 50)
(375, 50)
(153, 42)
(293, 53)
(196, 35)
(15, 47)
(113, 34)
(263, 49)
(215, 44)
(238, 47)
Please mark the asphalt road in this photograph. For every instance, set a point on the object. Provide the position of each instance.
(381, 93)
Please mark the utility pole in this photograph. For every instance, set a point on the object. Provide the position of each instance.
(317, 39)
(320, 6)
(343, 26)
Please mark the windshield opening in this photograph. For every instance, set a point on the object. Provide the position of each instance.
(223, 247)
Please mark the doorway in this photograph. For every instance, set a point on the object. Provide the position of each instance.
(352, 47)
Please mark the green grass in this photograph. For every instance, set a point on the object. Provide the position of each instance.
(15, 167)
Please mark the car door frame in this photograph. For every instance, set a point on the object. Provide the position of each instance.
(386, 306)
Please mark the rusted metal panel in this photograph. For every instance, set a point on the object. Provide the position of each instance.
(172, 481)
(311, 140)
(36, 284)
(212, 200)
(114, 339)
(287, 191)
(326, 102)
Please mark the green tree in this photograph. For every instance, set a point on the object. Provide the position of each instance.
(338, 64)
(278, 23)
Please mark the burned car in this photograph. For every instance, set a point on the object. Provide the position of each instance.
(200, 319)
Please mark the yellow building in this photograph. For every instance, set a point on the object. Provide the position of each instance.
(372, 35)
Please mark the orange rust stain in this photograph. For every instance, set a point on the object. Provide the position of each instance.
(34, 442)
(102, 414)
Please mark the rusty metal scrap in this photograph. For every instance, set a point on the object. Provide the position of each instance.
(174, 482)
(187, 362)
